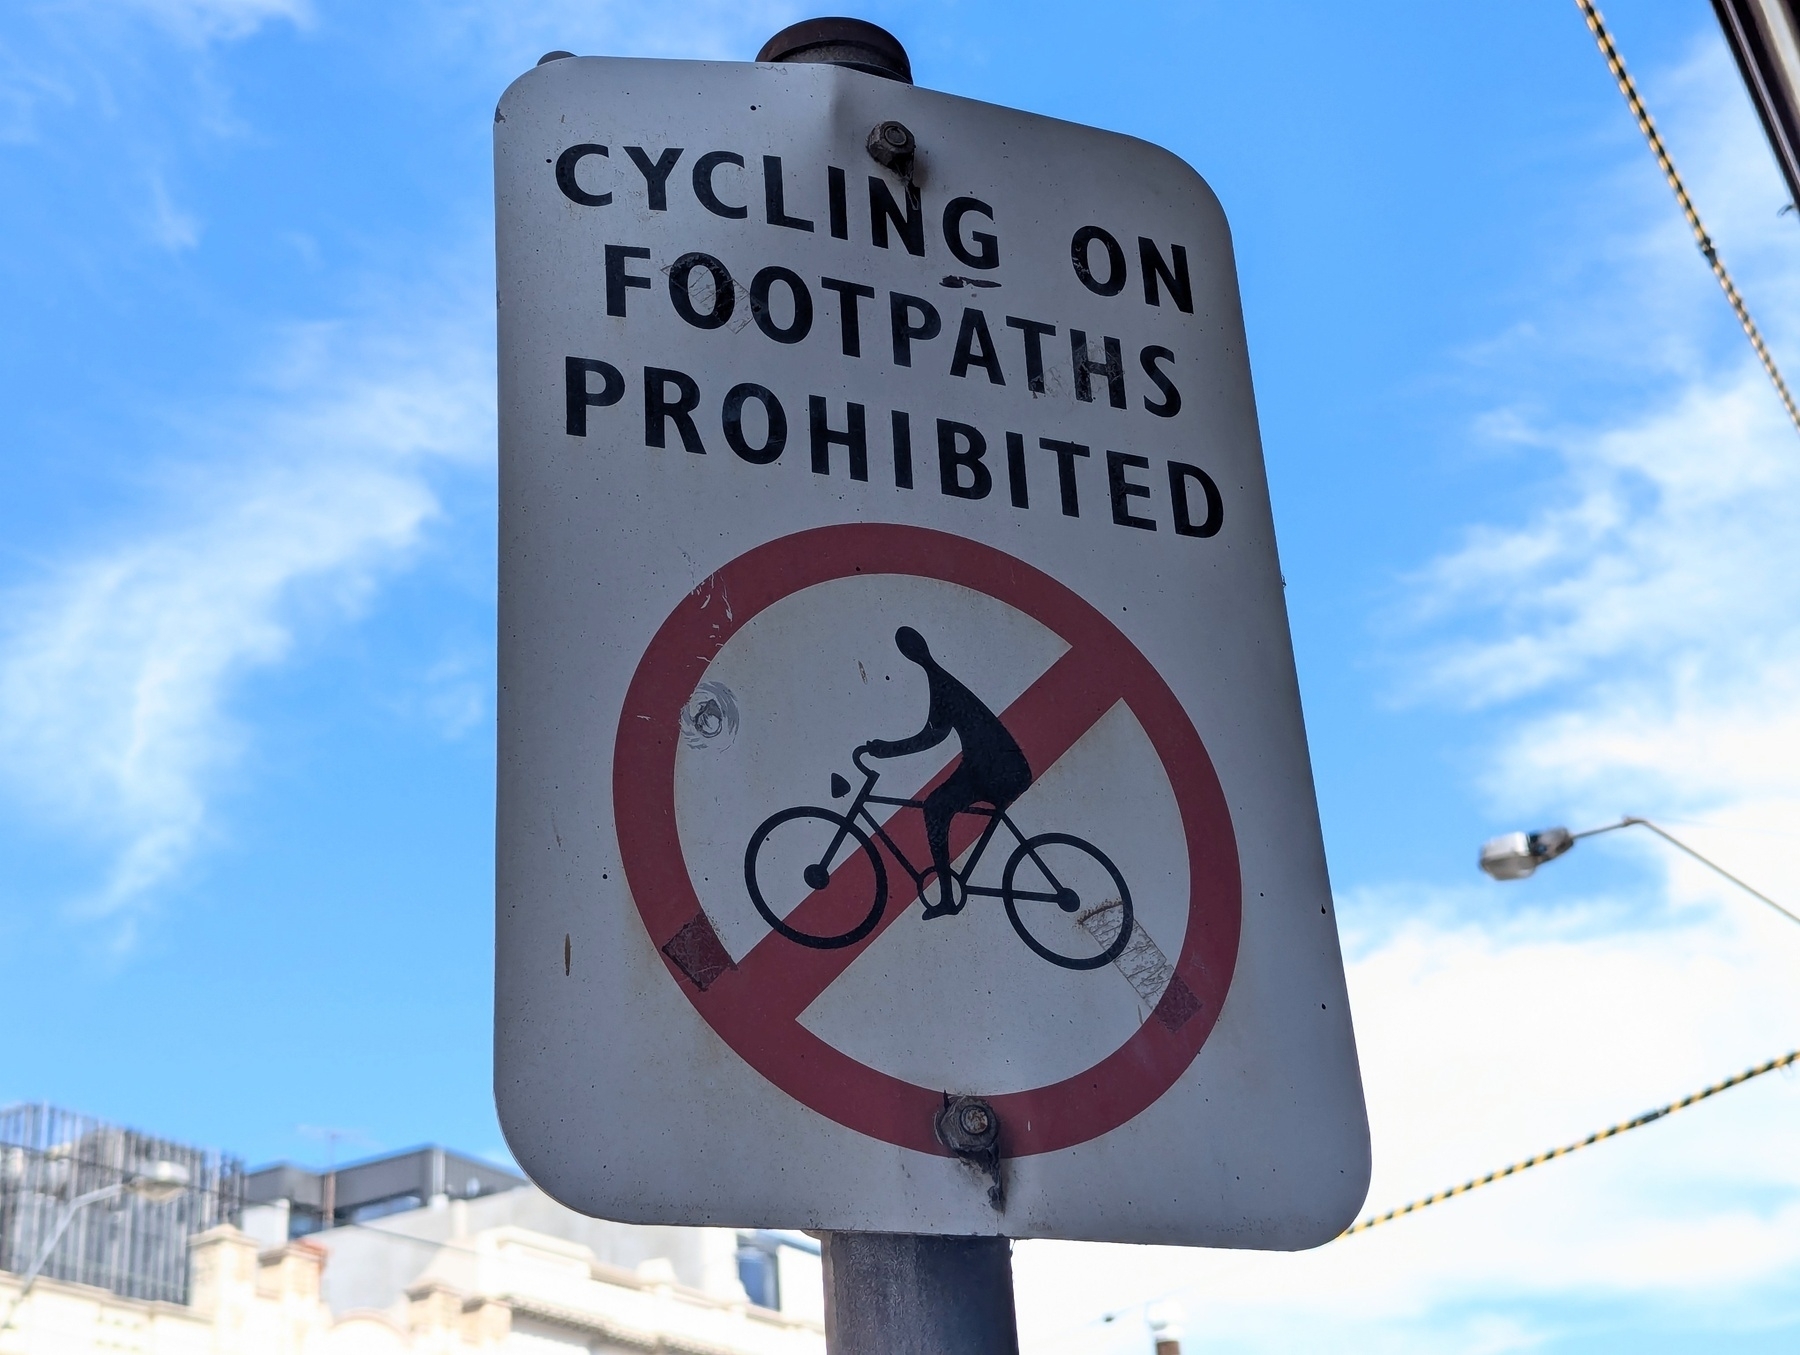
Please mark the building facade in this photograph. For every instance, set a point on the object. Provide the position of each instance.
(416, 1252)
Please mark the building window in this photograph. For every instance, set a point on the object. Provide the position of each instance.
(759, 1270)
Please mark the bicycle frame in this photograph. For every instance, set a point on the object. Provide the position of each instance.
(859, 808)
(848, 825)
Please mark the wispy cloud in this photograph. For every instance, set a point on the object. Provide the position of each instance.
(213, 20)
(24, 85)
(1641, 624)
(170, 226)
(1664, 536)
(118, 665)
(454, 695)
(1633, 634)
(706, 30)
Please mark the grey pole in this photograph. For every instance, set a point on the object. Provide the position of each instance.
(906, 1293)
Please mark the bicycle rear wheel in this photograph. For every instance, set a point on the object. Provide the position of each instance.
(787, 872)
(1067, 901)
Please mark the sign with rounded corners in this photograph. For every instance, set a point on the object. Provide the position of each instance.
(904, 817)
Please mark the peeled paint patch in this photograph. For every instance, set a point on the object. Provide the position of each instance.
(697, 952)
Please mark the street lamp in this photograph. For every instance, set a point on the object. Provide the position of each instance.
(1513, 856)
(159, 1183)
(164, 1181)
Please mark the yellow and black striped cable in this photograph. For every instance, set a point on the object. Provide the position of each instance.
(1628, 87)
(1637, 1122)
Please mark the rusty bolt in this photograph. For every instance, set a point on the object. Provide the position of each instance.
(968, 1127)
(891, 145)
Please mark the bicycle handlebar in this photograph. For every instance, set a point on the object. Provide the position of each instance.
(861, 766)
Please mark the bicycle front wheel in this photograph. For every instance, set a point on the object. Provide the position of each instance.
(1067, 901)
(803, 861)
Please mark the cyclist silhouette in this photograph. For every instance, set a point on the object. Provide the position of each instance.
(993, 767)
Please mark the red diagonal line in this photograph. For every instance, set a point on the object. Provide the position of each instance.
(1047, 719)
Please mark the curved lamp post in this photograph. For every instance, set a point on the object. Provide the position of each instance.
(161, 1182)
(1513, 856)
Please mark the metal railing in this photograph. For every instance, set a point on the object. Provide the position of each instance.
(134, 1246)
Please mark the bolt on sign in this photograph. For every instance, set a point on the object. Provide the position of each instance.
(905, 817)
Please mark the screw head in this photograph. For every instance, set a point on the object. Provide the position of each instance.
(968, 1125)
(892, 146)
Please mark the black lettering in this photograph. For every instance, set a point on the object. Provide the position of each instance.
(732, 416)
(801, 325)
(902, 425)
(1170, 404)
(930, 325)
(952, 462)
(1015, 470)
(1179, 475)
(854, 439)
(1086, 369)
(658, 409)
(1123, 490)
(773, 202)
(849, 320)
(681, 295)
(975, 348)
(703, 184)
(1066, 452)
(1035, 332)
(883, 209)
(618, 281)
(986, 250)
(656, 176)
(1151, 264)
(837, 201)
(578, 397)
(565, 175)
(1081, 249)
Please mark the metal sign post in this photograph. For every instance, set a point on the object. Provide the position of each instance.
(910, 1294)
(906, 831)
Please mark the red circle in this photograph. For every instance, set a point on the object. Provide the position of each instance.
(747, 1004)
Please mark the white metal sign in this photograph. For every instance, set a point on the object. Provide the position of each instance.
(905, 820)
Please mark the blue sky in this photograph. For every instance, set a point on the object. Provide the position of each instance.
(1535, 504)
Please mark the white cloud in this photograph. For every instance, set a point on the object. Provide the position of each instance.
(24, 84)
(454, 694)
(1636, 635)
(170, 226)
(704, 30)
(1481, 1045)
(1642, 626)
(218, 20)
(117, 666)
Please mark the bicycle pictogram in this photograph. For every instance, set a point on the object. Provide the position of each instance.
(1064, 897)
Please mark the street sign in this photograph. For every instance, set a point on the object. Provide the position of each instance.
(905, 820)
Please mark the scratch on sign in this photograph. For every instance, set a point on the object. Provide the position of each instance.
(1146, 968)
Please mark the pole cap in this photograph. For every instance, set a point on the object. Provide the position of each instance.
(856, 43)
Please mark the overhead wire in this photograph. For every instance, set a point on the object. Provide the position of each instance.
(1628, 87)
(1625, 1126)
